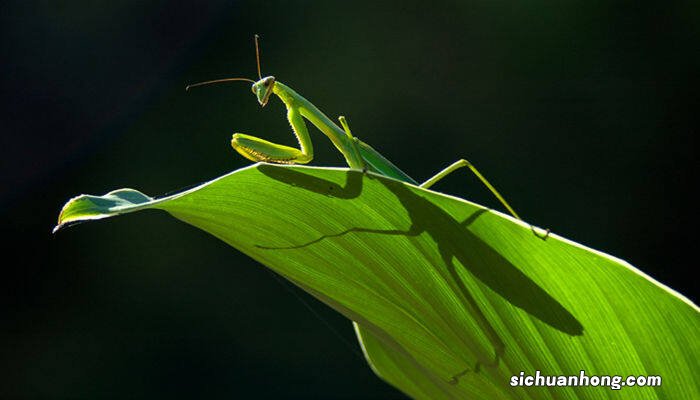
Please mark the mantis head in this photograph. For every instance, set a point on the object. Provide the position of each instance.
(263, 89)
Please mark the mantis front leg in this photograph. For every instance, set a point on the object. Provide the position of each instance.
(257, 149)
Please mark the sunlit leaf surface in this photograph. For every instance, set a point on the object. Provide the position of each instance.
(449, 299)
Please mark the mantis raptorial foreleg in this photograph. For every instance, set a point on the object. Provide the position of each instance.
(256, 149)
(464, 163)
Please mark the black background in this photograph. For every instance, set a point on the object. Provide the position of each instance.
(583, 113)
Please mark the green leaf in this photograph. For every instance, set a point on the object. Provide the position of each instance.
(450, 299)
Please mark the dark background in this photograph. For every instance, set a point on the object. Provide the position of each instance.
(584, 113)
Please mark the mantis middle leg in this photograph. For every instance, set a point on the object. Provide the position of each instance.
(346, 128)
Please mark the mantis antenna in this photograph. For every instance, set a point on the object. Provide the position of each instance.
(218, 81)
(257, 54)
(257, 60)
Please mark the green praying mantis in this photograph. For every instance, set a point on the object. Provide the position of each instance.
(358, 154)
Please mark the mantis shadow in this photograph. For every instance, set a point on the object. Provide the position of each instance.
(454, 241)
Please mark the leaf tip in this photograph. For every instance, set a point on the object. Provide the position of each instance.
(87, 207)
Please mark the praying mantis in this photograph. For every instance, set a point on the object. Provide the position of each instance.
(358, 154)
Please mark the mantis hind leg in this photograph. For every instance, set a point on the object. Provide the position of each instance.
(464, 163)
(256, 149)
